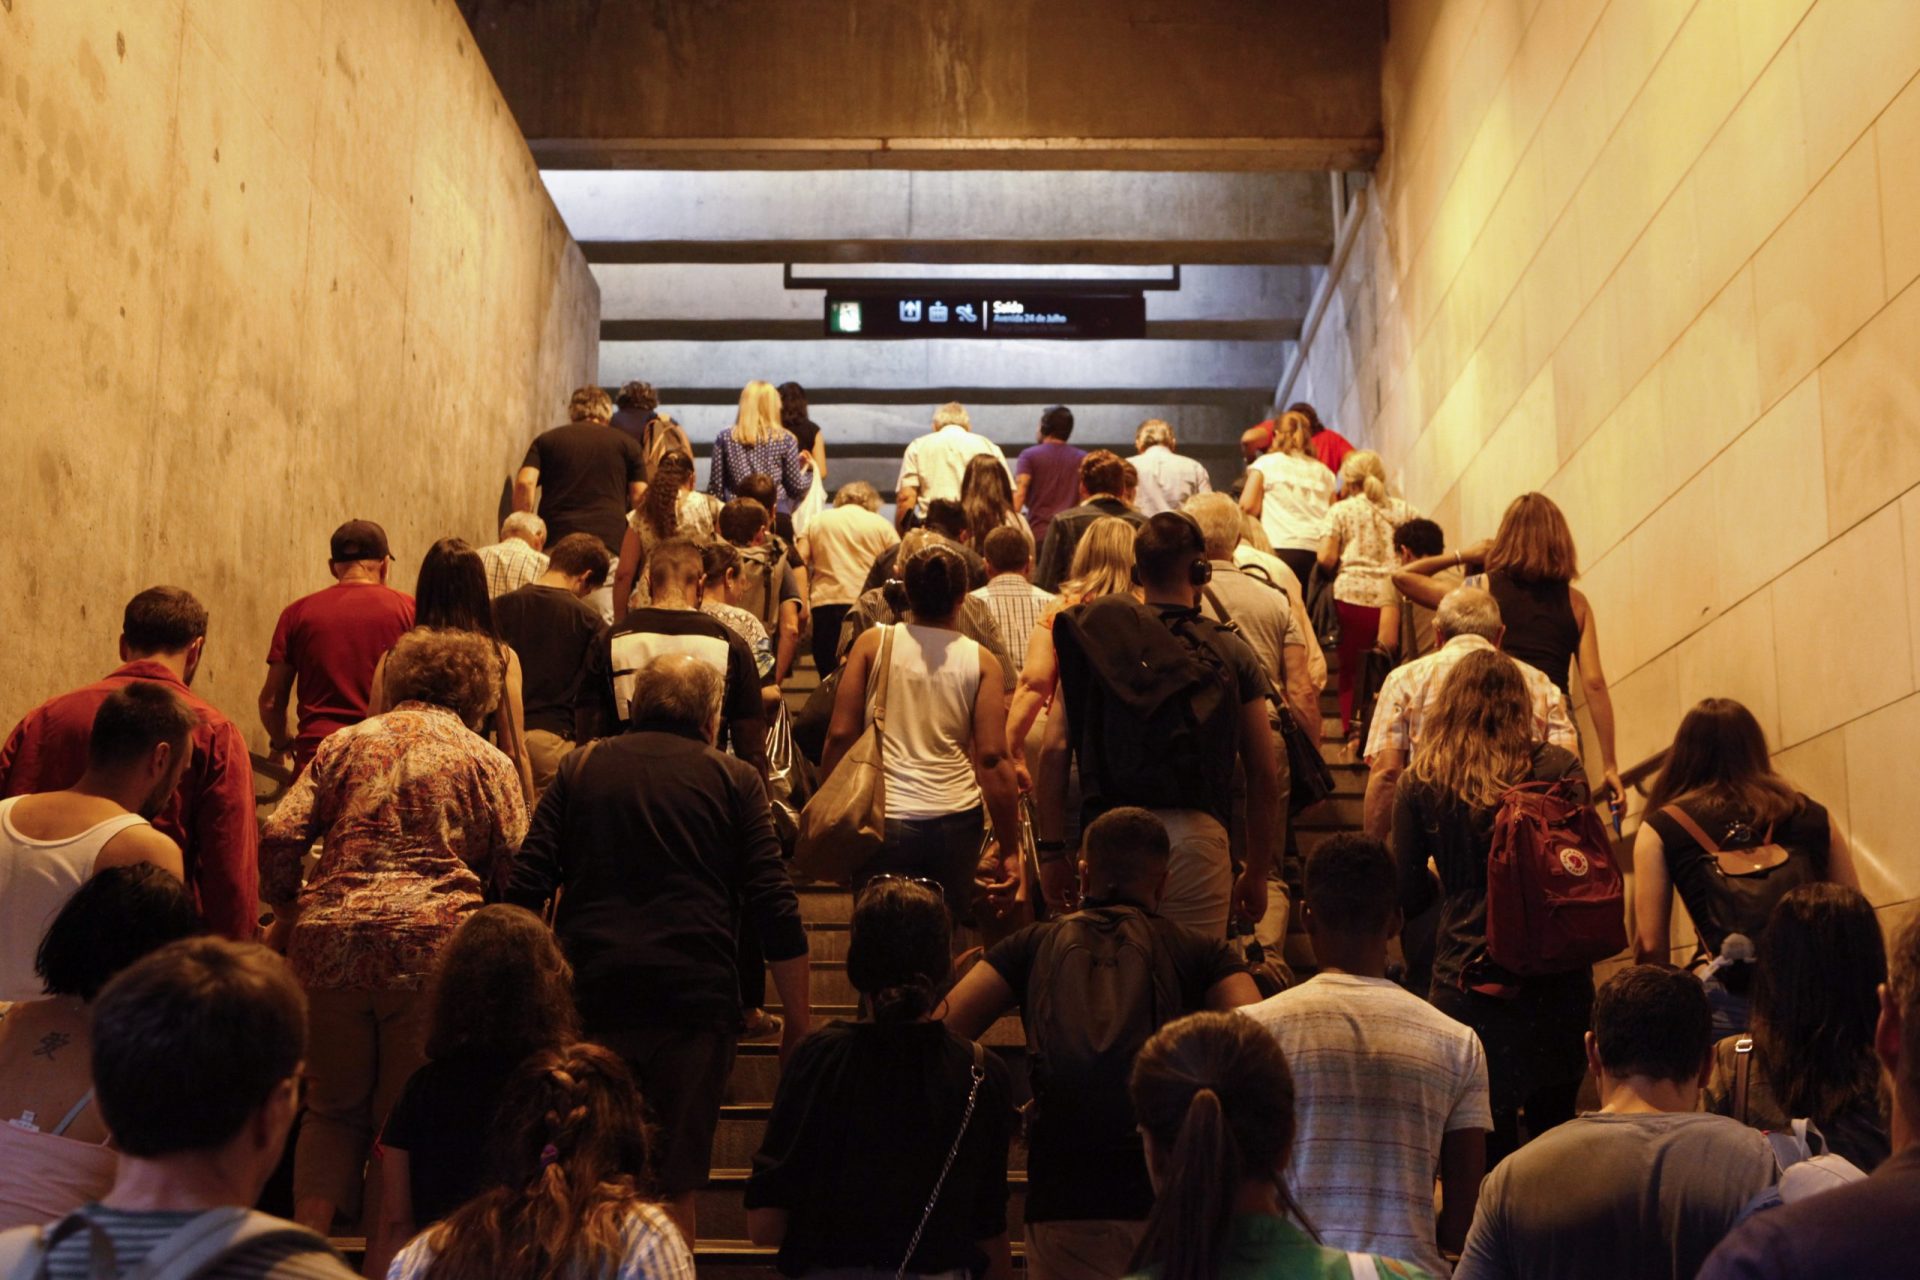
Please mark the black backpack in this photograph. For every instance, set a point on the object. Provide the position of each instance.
(1147, 697)
(1100, 987)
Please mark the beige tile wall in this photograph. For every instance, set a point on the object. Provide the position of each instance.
(266, 265)
(1658, 258)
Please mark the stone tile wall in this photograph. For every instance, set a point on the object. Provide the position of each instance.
(1658, 258)
(264, 265)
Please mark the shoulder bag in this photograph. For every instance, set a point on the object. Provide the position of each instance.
(844, 824)
(1310, 780)
(973, 1097)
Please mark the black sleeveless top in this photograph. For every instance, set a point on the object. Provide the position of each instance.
(1541, 629)
(1721, 904)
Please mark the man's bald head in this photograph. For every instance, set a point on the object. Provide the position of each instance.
(1469, 611)
(678, 692)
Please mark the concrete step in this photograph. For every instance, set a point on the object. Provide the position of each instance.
(1338, 812)
(824, 904)
(740, 1260)
(827, 942)
(721, 1209)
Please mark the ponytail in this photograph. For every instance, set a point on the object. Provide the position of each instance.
(1188, 1227)
(1376, 491)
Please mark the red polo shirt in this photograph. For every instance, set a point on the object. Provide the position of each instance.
(210, 816)
(333, 639)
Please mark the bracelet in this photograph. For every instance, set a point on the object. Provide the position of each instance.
(1460, 559)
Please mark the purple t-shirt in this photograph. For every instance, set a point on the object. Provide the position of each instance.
(1055, 468)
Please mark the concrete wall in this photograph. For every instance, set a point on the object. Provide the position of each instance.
(267, 264)
(1659, 260)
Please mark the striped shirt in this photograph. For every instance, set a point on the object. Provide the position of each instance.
(511, 564)
(1380, 1077)
(1017, 607)
(1412, 688)
(655, 1250)
(135, 1235)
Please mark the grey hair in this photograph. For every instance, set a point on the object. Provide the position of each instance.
(857, 492)
(680, 690)
(1218, 516)
(1469, 611)
(1152, 432)
(524, 525)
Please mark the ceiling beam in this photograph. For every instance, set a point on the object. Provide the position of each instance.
(1167, 155)
(1301, 251)
(1269, 330)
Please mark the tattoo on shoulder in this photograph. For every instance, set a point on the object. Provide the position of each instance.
(51, 1044)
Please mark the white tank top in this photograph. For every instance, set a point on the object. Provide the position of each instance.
(929, 735)
(36, 879)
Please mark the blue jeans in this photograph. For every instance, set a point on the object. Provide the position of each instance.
(945, 850)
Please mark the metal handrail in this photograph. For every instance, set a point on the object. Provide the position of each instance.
(1639, 774)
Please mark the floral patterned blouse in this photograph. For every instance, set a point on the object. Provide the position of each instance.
(415, 810)
(1367, 559)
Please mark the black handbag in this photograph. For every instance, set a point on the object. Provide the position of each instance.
(1312, 779)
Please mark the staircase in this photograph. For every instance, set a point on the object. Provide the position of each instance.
(723, 1251)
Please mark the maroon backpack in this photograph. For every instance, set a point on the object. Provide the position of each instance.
(1555, 898)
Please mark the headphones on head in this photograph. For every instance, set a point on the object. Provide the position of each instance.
(1199, 570)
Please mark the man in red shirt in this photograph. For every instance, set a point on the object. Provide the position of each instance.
(210, 815)
(1329, 445)
(328, 644)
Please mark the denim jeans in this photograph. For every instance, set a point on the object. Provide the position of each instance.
(945, 849)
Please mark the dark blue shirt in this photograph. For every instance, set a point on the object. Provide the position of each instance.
(1865, 1229)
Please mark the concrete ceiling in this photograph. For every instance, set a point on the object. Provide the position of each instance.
(940, 84)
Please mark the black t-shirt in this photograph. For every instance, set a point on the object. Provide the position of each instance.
(1721, 904)
(442, 1122)
(862, 1122)
(1073, 1173)
(552, 630)
(620, 652)
(806, 431)
(585, 468)
(1430, 824)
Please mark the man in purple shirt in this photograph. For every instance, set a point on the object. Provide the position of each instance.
(1047, 475)
(1869, 1228)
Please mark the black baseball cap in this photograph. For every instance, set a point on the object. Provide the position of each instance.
(359, 540)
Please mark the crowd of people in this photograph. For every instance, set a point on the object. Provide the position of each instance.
(534, 871)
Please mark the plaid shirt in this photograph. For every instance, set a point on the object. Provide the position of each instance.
(511, 564)
(1017, 607)
(1412, 688)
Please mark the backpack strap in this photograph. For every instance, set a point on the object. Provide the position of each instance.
(218, 1234)
(1742, 1076)
(1692, 828)
(1363, 1266)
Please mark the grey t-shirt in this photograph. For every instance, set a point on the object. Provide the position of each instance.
(136, 1234)
(1605, 1196)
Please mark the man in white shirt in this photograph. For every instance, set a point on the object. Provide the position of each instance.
(843, 541)
(1387, 1089)
(1467, 619)
(936, 462)
(1167, 480)
(1017, 605)
(520, 555)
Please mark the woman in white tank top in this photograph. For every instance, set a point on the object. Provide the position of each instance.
(944, 746)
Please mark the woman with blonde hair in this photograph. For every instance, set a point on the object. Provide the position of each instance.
(1289, 491)
(1528, 566)
(1102, 566)
(570, 1148)
(1359, 544)
(757, 444)
(1477, 743)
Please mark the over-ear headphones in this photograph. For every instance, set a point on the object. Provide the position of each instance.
(1200, 572)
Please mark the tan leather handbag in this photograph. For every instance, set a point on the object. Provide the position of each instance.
(843, 825)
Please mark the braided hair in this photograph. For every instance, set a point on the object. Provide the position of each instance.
(569, 1153)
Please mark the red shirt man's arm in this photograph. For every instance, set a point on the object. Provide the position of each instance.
(223, 850)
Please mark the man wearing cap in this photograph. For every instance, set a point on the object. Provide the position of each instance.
(328, 643)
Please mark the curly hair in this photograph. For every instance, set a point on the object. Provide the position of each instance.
(501, 988)
(570, 1151)
(458, 670)
(590, 404)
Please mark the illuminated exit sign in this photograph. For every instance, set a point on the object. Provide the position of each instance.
(1028, 315)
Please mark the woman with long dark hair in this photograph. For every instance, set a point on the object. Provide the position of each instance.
(570, 1148)
(1529, 566)
(947, 766)
(986, 495)
(1816, 1002)
(451, 595)
(1214, 1099)
(501, 992)
(887, 1146)
(1733, 837)
(670, 508)
(1477, 743)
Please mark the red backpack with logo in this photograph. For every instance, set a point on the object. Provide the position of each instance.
(1556, 901)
